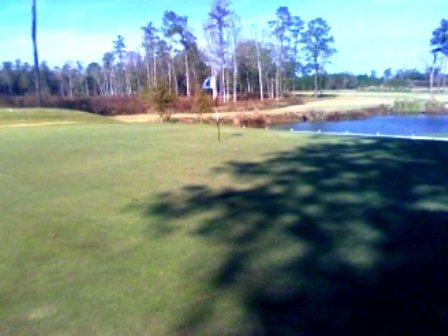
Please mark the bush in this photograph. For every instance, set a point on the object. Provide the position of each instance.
(434, 106)
(412, 106)
(287, 95)
(183, 104)
(231, 107)
(203, 103)
(107, 106)
(254, 119)
(159, 99)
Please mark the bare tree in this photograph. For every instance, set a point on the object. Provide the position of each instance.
(218, 22)
(279, 28)
(35, 54)
(235, 28)
(432, 71)
(108, 68)
(445, 60)
(150, 40)
(210, 55)
(260, 74)
(67, 71)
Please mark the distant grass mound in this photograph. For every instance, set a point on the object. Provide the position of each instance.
(49, 116)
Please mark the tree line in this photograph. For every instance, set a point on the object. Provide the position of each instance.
(263, 60)
(285, 54)
(75, 80)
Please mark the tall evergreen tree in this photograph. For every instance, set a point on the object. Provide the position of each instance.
(439, 44)
(35, 53)
(317, 48)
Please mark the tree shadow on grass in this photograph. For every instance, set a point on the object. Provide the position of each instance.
(338, 238)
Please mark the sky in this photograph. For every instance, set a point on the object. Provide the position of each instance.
(369, 34)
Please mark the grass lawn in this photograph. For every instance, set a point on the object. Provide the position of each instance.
(132, 229)
(35, 116)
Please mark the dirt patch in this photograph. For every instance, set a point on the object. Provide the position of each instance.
(138, 118)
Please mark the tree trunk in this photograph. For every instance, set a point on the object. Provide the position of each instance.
(223, 85)
(431, 74)
(176, 88)
(187, 74)
(227, 84)
(148, 72)
(260, 77)
(316, 70)
(112, 83)
(235, 74)
(87, 87)
(154, 71)
(215, 86)
(277, 82)
(128, 82)
(70, 86)
(195, 79)
(36, 57)
(105, 88)
(295, 70)
(170, 84)
(444, 72)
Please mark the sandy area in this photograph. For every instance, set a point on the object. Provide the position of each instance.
(343, 101)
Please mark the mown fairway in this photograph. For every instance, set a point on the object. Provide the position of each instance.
(160, 230)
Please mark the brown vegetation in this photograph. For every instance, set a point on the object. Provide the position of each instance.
(133, 104)
(258, 119)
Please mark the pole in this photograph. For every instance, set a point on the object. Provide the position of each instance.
(217, 124)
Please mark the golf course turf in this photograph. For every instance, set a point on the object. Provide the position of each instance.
(33, 117)
(126, 229)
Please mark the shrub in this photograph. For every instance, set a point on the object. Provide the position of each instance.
(184, 104)
(231, 107)
(287, 95)
(107, 106)
(434, 106)
(254, 119)
(203, 103)
(412, 106)
(159, 98)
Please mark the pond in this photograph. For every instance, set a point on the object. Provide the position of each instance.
(417, 125)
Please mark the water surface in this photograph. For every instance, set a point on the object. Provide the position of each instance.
(418, 125)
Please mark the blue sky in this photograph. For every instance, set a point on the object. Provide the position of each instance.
(369, 34)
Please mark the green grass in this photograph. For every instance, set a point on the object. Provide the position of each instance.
(160, 230)
(13, 116)
(409, 106)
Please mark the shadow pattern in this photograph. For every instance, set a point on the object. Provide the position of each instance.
(344, 238)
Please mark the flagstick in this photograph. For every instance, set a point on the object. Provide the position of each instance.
(217, 124)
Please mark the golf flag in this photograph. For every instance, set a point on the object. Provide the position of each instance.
(209, 83)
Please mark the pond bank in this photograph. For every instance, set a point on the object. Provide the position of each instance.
(258, 119)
